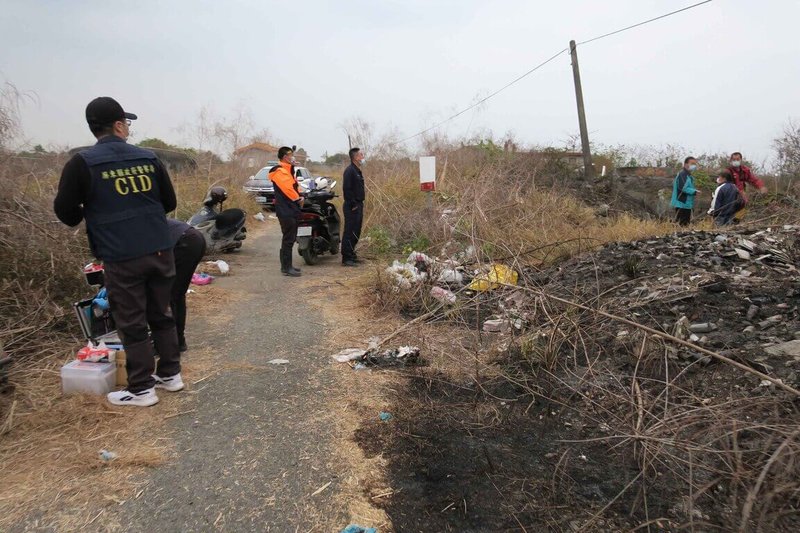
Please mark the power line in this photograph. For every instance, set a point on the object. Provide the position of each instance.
(643, 22)
(540, 65)
(482, 100)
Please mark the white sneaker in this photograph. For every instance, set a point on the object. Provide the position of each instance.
(145, 398)
(171, 384)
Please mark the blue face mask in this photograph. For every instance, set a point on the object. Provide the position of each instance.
(692, 168)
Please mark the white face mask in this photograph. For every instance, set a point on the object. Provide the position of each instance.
(736, 163)
(364, 160)
(692, 168)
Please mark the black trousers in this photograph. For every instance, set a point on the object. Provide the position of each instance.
(139, 292)
(289, 229)
(353, 220)
(683, 216)
(188, 252)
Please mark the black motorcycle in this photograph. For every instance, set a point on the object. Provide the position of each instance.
(318, 230)
(223, 230)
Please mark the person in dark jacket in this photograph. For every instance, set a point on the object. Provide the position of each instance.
(288, 204)
(727, 201)
(684, 192)
(123, 193)
(354, 196)
(189, 249)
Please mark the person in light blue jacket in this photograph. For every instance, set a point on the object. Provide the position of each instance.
(684, 192)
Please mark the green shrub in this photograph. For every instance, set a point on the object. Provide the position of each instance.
(380, 242)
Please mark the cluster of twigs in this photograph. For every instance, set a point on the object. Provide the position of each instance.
(720, 456)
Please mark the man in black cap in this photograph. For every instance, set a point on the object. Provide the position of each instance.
(123, 192)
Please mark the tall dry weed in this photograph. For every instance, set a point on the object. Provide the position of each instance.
(503, 205)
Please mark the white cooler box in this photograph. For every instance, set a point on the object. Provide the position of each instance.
(91, 378)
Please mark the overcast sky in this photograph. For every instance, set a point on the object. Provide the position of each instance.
(724, 76)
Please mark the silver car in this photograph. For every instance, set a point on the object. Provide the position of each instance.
(262, 189)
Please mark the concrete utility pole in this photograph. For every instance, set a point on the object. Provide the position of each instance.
(588, 170)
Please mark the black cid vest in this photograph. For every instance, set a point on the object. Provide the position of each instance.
(124, 215)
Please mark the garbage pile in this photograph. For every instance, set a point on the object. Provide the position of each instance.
(449, 275)
(372, 357)
(734, 292)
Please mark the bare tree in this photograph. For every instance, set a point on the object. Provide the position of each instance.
(263, 136)
(788, 150)
(10, 98)
(235, 131)
(378, 145)
(223, 134)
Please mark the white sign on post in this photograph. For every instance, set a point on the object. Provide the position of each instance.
(427, 173)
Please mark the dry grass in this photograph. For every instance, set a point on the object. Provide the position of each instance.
(52, 475)
(491, 203)
(727, 461)
(49, 452)
(363, 482)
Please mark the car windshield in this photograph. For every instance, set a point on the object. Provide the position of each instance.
(261, 174)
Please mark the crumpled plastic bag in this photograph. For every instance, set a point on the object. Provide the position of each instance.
(349, 354)
(355, 528)
(95, 354)
(418, 257)
(451, 275)
(497, 276)
(220, 266)
(443, 295)
(404, 275)
(201, 279)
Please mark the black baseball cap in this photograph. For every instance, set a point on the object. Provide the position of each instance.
(105, 110)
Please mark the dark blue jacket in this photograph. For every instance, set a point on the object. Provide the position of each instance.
(176, 230)
(123, 192)
(353, 186)
(727, 202)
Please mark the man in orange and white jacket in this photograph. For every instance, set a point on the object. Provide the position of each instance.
(287, 206)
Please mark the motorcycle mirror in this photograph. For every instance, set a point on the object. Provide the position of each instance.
(294, 148)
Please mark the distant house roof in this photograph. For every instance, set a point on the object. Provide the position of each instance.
(264, 147)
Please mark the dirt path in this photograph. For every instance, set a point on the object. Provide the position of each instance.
(258, 443)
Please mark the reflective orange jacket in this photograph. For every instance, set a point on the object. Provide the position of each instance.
(287, 196)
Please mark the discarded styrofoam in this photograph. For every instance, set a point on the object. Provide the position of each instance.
(449, 275)
(350, 354)
(496, 325)
(260, 217)
(405, 275)
(443, 295)
(278, 361)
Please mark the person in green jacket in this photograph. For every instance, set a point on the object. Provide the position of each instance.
(684, 192)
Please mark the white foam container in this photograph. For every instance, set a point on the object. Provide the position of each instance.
(92, 378)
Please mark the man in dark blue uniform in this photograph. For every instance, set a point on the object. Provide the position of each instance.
(123, 193)
(354, 195)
